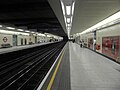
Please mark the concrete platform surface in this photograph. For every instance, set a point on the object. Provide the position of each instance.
(91, 71)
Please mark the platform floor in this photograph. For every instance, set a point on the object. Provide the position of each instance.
(62, 79)
(83, 69)
(91, 71)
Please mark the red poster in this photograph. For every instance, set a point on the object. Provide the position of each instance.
(110, 47)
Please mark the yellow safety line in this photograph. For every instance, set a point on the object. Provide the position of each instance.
(55, 72)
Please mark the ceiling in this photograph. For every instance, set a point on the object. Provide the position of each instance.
(46, 15)
(87, 12)
(35, 15)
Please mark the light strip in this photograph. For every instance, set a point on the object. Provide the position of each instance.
(39, 34)
(32, 32)
(48, 36)
(71, 19)
(65, 19)
(27, 31)
(68, 10)
(10, 28)
(68, 31)
(20, 29)
(12, 32)
(73, 6)
(104, 22)
(63, 8)
(68, 20)
(68, 25)
(68, 28)
(0, 25)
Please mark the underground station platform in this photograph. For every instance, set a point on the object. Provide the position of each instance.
(73, 68)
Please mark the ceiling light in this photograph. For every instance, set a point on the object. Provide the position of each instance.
(48, 36)
(68, 28)
(68, 10)
(10, 28)
(71, 19)
(65, 21)
(68, 20)
(68, 31)
(12, 32)
(0, 25)
(27, 31)
(104, 22)
(20, 29)
(68, 25)
(32, 32)
(63, 8)
(39, 34)
(73, 6)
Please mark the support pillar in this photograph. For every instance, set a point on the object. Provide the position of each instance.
(94, 41)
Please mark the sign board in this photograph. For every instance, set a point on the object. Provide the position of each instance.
(5, 39)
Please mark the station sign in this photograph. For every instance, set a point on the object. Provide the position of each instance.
(5, 39)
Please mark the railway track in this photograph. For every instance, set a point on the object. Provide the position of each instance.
(27, 72)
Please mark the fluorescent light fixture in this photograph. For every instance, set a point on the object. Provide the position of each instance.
(36, 33)
(20, 29)
(0, 25)
(71, 19)
(63, 8)
(27, 31)
(116, 21)
(56, 37)
(39, 34)
(68, 31)
(73, 6)
(51, 35)
(10, 28)
(65, 19)
(104, 22)
(68, 10)
(32, 32)
(77, 34)
(60, 38)
(68, 25)
(68, 20)
(48, 36)
(68, 28)
(13, 32)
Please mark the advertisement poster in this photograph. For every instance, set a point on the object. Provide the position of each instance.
(110, 47)
(90, 43)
